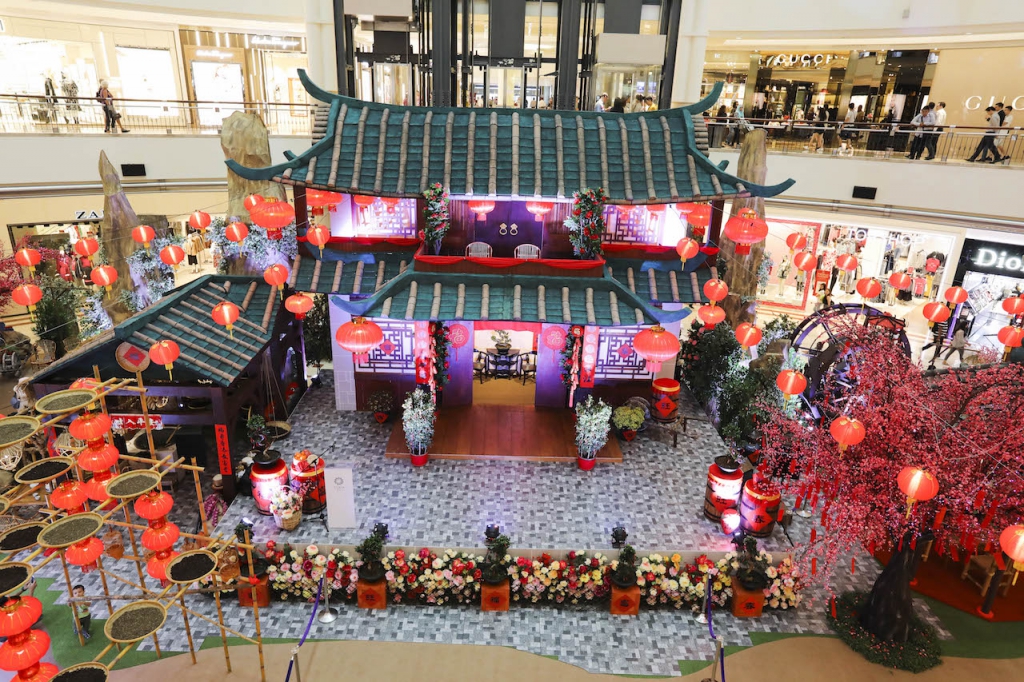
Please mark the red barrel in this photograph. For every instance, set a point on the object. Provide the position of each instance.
(268, 475)
(307, 479)
(725, 482)
(665, 403)
(759, 508)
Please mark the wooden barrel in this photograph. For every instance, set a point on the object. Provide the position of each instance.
(759, 508)
(267, 478)
(725, 482)
(665, 400)
(308, 480)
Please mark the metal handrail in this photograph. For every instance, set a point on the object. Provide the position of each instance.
(180, 102)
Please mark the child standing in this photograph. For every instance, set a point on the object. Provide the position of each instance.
(82, 610)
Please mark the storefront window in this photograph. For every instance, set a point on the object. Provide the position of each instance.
(991, 272)
(627, 81)
(146, 73)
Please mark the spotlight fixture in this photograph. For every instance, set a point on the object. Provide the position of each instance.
(619, 536)
(492, 532)
(380, 529)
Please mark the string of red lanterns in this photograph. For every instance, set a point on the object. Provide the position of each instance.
(161, 535)
(25, 648)
(98, 456)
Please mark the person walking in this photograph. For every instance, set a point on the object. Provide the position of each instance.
(82, 610)
(939, 112)
(618, 106)
(957, 344)
(602, 102)
(921, 123)
(111, 119)
(194, 246)
(987, 142)
(1004, 130)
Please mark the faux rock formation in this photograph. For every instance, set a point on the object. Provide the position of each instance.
(119, 220)
(244, 139)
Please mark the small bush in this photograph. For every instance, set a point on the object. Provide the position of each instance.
(919, 653)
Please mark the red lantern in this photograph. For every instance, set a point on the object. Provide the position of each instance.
(172, 255)
(362, 201)
(154, 505)
(86, 247)
(847, 262)
(539, 209)
(27, 295)
(744, 229)
(68, 496)
(932, 264)
(143, 234)
(791, 383)
(391, 203)
(156, 567)
(96, 487)
(28, 258)
(796, 242)
(320, 198)
(90, 427)
(956, 295)
(936, 312)
(1014, 306)
(359, 336)
(687, 248)
(715, 290)
(656, 345)
(748, 335)
(481, 208)
(900, 280)
(103, 276)
(98, 458)
(25, 647)
(276, 275)
(1011, 541)
(161, 535)
(225, 313)
(318, 236)
(868, 287)
(236, 232)
(847, 431)
(805, 261)
(1011, 337)
(18, 614)
(698, 215)
(252, 201)
(299, 304)
(918, 485)
(273, 216)
(199, 220)
(165, 353)
(656, 210)
(710, 315)
(85, 553)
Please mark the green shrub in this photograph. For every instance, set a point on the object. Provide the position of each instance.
(919, 653)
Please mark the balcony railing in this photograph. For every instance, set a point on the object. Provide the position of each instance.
(32, 114)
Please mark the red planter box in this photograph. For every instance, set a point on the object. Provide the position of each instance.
(494, 597)
(625, 602)
(746, 603)
(262, 593)
(372, 595)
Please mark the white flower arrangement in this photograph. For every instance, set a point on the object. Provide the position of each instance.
(592, 426)
(418, 421)
(285, 503)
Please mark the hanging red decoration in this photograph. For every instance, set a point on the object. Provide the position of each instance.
(656, 210)
(698, 215)
(165, 353)
(1011, 541)
(18, 614)
(868, 287)
(359, 336)
(481, 208)
(744, 229)
(847, 431)
(554, 339)
(103, 276)
(316, 198)
(955, 295)
(791, 383)
(539, 209)
(25, 648)
(748, 335)
(391, 203)
(715, 290)
(932, 265)
(199, 220)
(687, 248)
(900, 280)
(85, 553)
(69, 496)
(918, 485)
(273, 216)
(99, 457)
(236, 232)
(1014, 306)
(1011, 337)
(318, 236)
(299, 305)
(362, 201)
(144, 234)
(225, 313)
(172, 255)
(28, 258)
(796, 242)
(936, 312)
(458, 337)
(86, 247)
(90, 427)
(847, 262)
(805, 261)
(27, 295)
(252, 201)
(656, 345)
(710, 315)
(276, 275)
(161, 534)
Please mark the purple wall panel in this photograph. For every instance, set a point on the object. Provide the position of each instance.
(550, 389)
(459, 390)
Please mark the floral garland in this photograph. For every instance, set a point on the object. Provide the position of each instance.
(439, 345)
(571, 360)
(437, 219)
(295, 575)
(586, 222)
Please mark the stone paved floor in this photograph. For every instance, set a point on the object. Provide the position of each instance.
(656, 494)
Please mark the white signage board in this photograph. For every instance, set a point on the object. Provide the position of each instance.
(341, 498)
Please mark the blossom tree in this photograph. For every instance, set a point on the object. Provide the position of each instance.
(13, 275)
(966, 428)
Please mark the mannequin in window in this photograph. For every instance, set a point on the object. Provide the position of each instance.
(784, 268)
(69, 89)
(50, 92)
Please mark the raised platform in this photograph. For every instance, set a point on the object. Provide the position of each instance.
(521, 433)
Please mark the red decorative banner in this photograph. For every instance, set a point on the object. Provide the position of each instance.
(129, 422)
(223, 449)
(588, 356)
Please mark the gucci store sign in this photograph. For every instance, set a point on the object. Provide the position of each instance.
(993, 258)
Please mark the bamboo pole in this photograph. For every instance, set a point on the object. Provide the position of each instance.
(188, 628)
(223, 627)
(255, 606)
(187, 467)
(138, 567)
(148, 426)
(120, 655)
(71, 595)
(106, 649)
(220, 621)
(199, 494)
(127, 582)
(106, 590)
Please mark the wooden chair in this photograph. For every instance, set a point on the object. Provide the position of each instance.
(527, 251)
(980, 570)
(479, 365)
(528, 365)
(478, 250)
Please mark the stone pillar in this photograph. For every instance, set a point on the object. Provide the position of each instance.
(344, 367)
(320, 50)
(693, 41)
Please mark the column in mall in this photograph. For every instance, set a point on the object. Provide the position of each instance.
(693, 42)
(320, 51)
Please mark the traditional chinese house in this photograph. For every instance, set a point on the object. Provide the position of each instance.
(506, 263)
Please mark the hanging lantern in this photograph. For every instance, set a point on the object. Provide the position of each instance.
(936, 312)
(165, 353)
(796, 242)
(236, 232)
(687, 248)
(847, 431)
(96, 487)
(868, 287)
(299, 304)
(273, 216)
(276, 275)
(103, 276)
(225, 313)
(1014, 306)
(28, 258)
(900, 280)
(748, 335)
(320, 198)
(698, 215)
(656, 210)
(252, 201)
(932, 265)
(69, 496)
(85, 553)
(805, 261)
(847, 262)
(199, 220)
(710, 315)
(918, 485)
(391, 203)
(86, 247)
(744, 229)
(956, 295)
(18, 614)
(539, 209)
(1011, 337)
(715, 290)
(656, 345)
(791, 383)
(359, 336)
(1011, 541)
(98, 458)
(318, 236)
(362, 201)
(172, 255)
(161, 534)
(481, 208)
(27, 295)
(25, 648)
(154, 505)
(90, 427)
(143, 234)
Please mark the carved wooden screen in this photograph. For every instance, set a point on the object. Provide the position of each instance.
(394, 355)
(615, 356)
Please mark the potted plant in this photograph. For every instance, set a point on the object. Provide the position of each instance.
(381, 403)
(371, 588)
(591, 430)
(502, 341)
(625, 592)
(286, 507)
(256, 430)
(628, 421)
(624, 575)
(418, 421)
(495, 592)
(749, 579)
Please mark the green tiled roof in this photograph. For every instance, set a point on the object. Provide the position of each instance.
(390, 150)
(670, 285)
(358, 273)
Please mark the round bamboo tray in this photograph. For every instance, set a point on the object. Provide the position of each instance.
(132, 484)
(70, 674)
(62, 402)
(15, 429)
(9, 541)
(278, 430)
(44, 470)
(13, 574)
(5, 504)
(155, 615)
(57, 535)
(176, 561)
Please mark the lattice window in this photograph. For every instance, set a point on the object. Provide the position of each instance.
(376, 220)
(633, 225)
(394, 355)
(615, 356)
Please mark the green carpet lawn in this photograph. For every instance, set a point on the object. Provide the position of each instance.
(975, 637)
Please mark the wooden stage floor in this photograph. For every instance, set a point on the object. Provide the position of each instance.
(503, 432)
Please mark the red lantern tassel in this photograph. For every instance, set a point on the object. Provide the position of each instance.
(954, 553)
(871, 548)
(939, 518)
(899, 547)
(979, 499)
(913, 543)
(792, 466)
(833, 600)
(814, 565)
(814, 501)
(799, 501)
(939, 547)
(1000, 561)
(853, 565)
(814, 535)
(824, 521)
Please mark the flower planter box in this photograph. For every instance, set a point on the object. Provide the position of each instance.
(494, 597)
(372, 595)
(625, 600)
(419, 460)
(381, 417)
(586, 464)
(262, 594)
(746, 603)
(628, 434)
